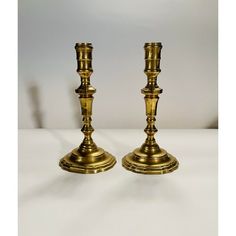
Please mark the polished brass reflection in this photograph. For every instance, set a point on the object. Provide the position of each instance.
(150, 158)
(87, 158)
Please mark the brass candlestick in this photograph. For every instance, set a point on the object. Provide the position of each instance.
(87, 158)
(150, 158)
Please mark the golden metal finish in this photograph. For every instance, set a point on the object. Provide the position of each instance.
(150, 158)
(87, 158)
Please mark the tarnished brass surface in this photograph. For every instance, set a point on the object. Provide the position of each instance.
(87, 158)
(150, 158)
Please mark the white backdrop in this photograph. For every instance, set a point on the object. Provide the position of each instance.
(118, 30)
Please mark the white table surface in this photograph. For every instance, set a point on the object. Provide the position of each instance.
(53, 202)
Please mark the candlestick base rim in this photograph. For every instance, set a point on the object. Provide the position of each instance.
(90, 163)
(151, 164)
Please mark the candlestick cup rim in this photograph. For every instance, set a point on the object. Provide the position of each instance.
(153, 44)
(83, 45)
